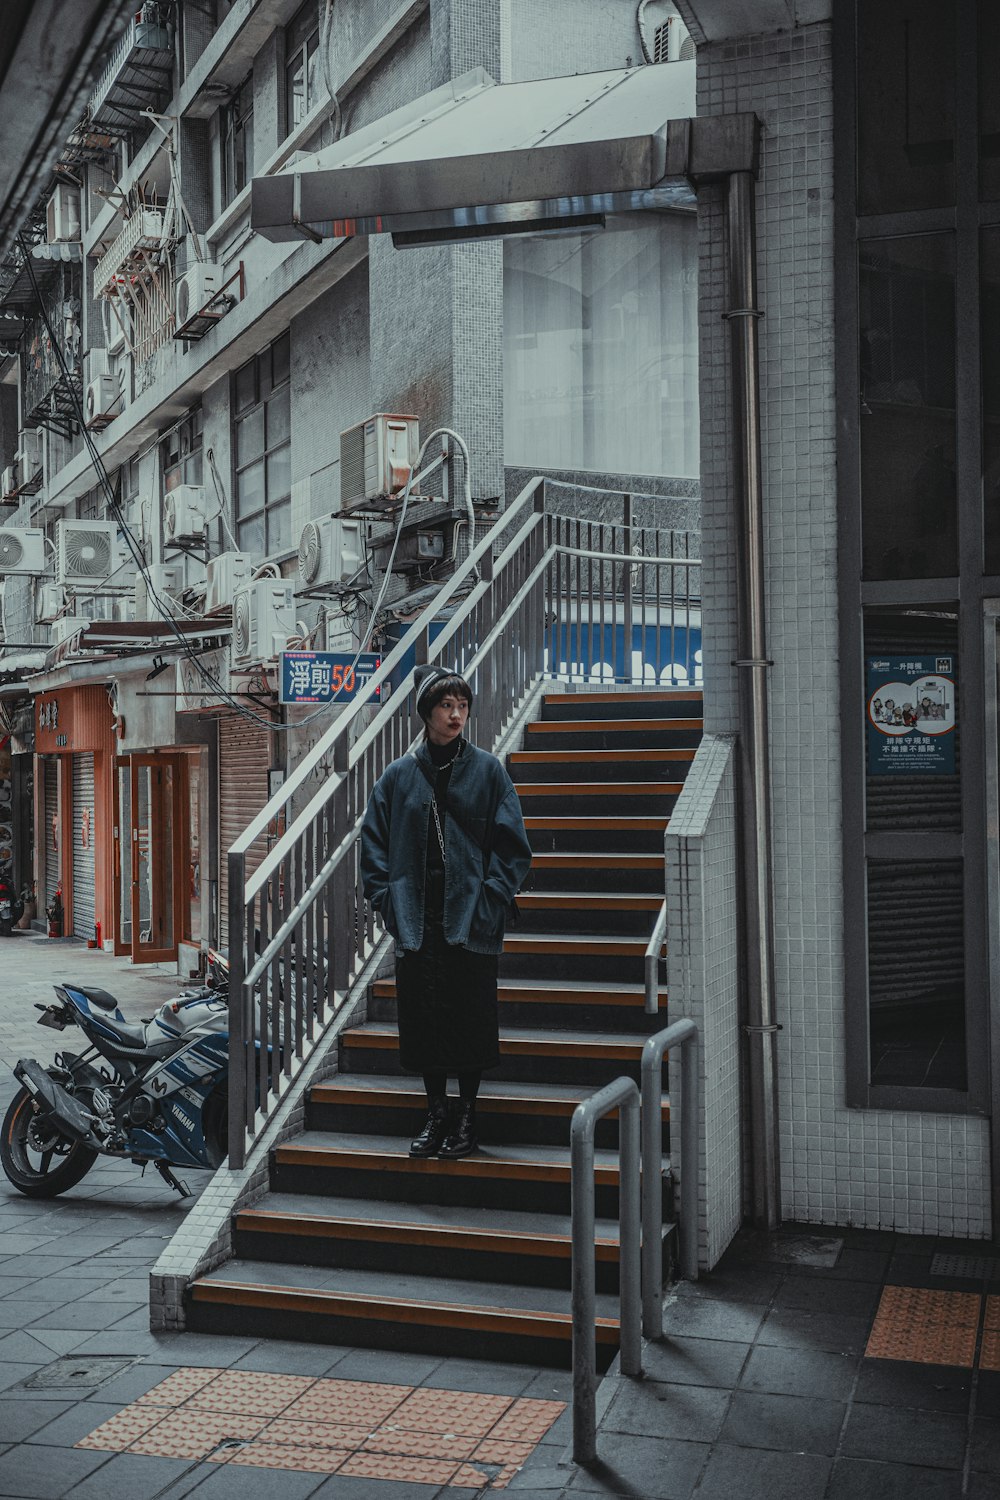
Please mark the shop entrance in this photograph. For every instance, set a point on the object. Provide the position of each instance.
(151, 826)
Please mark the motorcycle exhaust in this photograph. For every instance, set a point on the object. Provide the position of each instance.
(58, 1107)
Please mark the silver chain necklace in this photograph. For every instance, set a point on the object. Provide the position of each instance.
(437, 825)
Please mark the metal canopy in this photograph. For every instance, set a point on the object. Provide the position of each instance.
(477, 154)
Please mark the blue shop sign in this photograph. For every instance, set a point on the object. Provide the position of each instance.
(911, 715)
(325, 676)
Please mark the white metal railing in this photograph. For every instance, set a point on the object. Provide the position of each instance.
(541, 595)
(140, 35)
(143, 231)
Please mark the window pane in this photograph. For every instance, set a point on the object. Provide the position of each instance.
(295, 85)
(250, 490)
(250, 436)
(279, 473)
(251, 535)
(990, 344)
(916, 973)
(279, 418)
(601, 349)
(246, 390)
(907, 370)
(906, 105)
(279, 527)
(281, 351)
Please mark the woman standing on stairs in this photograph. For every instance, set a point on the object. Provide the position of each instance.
(443, 854)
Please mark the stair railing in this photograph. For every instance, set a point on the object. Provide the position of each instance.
(684, 1036)
(541, 595)
(622, 1095)
(654, 957)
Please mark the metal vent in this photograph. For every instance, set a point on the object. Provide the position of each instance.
(310, 551)
(11, 551)
(87, 554)
(661, 43)
(241, 624)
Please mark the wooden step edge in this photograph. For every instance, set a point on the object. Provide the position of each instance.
(465, 1166)
(586, 947)
(575, 1046)
(591, 900)
(612, 823)
(487, 1104)
(383, 1232)
(396, 1310)
(627, 695)
(546, 859)
(604, 726)
(385, 989)
(598, 788)
(595, 757)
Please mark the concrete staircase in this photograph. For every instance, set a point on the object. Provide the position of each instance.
(358, 1243)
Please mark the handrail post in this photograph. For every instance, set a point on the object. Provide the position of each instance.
(682, 1034)
(239, 1032)
(653, 962)
(623, 1095)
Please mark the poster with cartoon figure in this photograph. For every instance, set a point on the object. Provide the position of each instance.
(911, 715)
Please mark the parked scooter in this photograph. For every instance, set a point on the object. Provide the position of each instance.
(11, 906)
(153, 1091)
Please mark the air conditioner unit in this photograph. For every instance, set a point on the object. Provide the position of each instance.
(28, 462)
(67, 626)
(22, 550)
(50, 602)
(331, 550)
(163, 581)
(672, 42)
(223, 577)
(199, 286)
(376, 459)
(102, 402)
(184, 514)
(263, 621)
(88, 553)
(62, 215)
(8, 484)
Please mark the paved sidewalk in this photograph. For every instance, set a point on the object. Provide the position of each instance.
(812, 1365)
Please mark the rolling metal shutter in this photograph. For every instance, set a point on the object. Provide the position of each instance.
(244, 760)
(84, 899)
(51, 795)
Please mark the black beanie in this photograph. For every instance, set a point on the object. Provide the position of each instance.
(424, 679)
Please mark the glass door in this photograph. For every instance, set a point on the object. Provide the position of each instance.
(150, 829)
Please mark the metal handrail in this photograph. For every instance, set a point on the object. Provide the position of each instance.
(622, 1095)
(682, 1034)
(653, 957)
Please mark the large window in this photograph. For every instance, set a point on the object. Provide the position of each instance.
(301, 65)
(237, 141)
(601, 348)
(263, 449)
(180, 453)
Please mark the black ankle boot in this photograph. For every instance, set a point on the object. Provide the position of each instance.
(428, 1142)
(461, 1139)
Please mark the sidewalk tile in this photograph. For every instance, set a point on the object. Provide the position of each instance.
(654, 1409)
(930, 1387)
(19, 1419)
(129, 1476)
(798, 1424)
(986, 1445)
(22, 1474)
(743, 1474)
(860, 1479)
(694, 1361)
(800, 1372)
(656, 1469)
(930, 1439)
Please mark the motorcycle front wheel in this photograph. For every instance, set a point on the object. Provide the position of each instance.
(39, 1161)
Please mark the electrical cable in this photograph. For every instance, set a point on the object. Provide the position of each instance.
(222, 513)
(326, 36)
(640, 21)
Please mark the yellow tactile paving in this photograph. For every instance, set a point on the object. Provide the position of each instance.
(924, 1326)
(346, 1427)
(989, 1353)
(991, 1322)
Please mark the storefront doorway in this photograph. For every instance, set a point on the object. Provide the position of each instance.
(152, 824)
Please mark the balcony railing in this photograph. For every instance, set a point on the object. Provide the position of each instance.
(140, 234)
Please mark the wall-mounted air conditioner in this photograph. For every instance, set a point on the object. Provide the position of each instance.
(163, 581)
(88, 553)
(223, 577)
(102, 402)
(196, 289)
(50, 601)
(8, 483)
(67, 626)
(184, 514)
(672, 42)
(62, 215)
(263, 621)
(376, 459)
(22, 550)
(28, 463)
(331, 550)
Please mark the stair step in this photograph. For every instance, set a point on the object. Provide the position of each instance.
(578, 798)
(500, 1178)
(622, 833)
(613, 767)
(526, 1249)
(526, 1056)
(604, 726)
(388, 1311)
(592, 871)
(641, 704)
(619, 958)
(585, 1006)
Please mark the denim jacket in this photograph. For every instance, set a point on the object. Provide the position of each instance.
(487, 857)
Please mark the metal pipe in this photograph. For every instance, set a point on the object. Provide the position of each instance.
(623, 1095)
(752, 664)
(653, 961)
(682, 1034)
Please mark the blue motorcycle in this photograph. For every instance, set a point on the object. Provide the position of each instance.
(151, 1091)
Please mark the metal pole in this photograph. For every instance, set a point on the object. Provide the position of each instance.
(240, 1034)
(683, 1034)
(752, 664)
(624, 1095)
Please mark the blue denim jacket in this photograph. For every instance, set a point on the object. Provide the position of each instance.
(488, 854)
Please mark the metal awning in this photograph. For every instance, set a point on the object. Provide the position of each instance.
(475, 155)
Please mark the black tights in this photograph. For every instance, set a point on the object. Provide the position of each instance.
(436, 1085)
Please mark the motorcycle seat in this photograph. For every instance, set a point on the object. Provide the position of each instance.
(132, 1034)
(100, 998)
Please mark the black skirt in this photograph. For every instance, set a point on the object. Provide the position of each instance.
(447, 1008)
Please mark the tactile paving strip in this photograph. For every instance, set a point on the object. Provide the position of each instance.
(925, 1327)
(966, 1267)
(989, 1353)
(345, 1427)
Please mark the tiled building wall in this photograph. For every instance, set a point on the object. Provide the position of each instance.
(703, 980)
(921, 1173)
